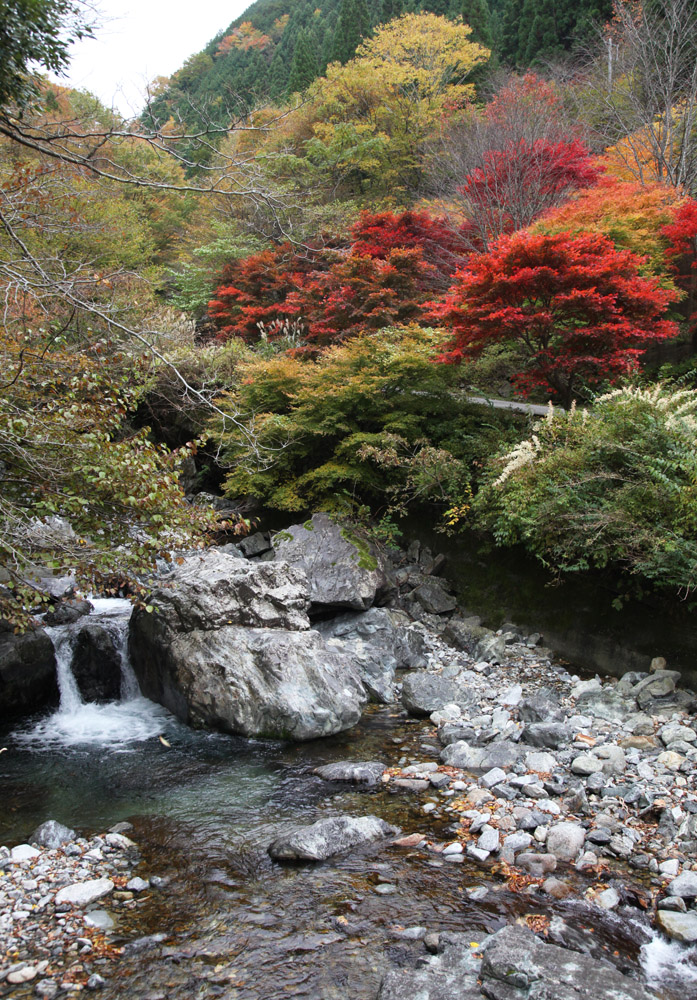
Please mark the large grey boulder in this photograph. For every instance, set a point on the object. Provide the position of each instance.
(680, 926)
(328, 837)
(518, 966)
(606, 703)
(27, 672)
(479, 760)
(380, 641)
(424, 692)
(257, 682)
(213, 589)
(52, 834)
(342, 570)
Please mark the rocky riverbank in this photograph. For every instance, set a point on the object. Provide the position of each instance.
(54, 922)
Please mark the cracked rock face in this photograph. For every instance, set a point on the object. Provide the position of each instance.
(342, 571)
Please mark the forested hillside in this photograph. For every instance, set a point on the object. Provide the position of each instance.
(277, 47)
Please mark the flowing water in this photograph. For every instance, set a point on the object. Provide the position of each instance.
(229, 922)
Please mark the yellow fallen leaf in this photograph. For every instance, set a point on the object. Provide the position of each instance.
(164, 742)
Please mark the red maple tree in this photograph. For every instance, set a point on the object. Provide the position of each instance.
(518, 182)
(681, 254)
(579, 307)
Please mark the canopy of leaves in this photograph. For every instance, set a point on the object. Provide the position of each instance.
(391, 430)
(611, 487)
(580, 308)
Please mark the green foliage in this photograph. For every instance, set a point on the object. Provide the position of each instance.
(392, 431)
(81, 490)
(35, 32)
(615, 486)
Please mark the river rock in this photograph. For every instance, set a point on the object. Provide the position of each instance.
(450, 974)
(606, 703)
(424, 692)
(211, 590)
(479, 760)
(565, 840)
(256, 682)
(380, 642)
(543, 706)
(27, 672)
(586, 764)
(434, 597)
(67, 612)
(680, 926)
(465, 634)
(518, 966)
(537, 864)
(328, 837)
(342, 570)
(684, 885)
(96, 663)
(365, 773)
(52, 834)
(547, 734)
(491, 648)
(84, 893)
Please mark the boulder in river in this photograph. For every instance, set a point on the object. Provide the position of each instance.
(479, 760)
(342, 570)
(518, 966)
(96, 663)
(328, 837)
(358, 773)
(252, 681)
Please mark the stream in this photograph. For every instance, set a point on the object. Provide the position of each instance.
(228, 921)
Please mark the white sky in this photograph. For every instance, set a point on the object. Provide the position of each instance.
(142, 39)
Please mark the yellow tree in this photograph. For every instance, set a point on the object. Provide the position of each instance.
(378, 110)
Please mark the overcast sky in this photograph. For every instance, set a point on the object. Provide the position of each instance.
(142, 39)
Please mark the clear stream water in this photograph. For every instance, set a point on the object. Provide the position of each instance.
(236, 925)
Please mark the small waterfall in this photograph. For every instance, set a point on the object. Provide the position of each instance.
(114, 723)
(62, 639)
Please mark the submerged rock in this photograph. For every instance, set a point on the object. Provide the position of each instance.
(328, 837)
(341, 569)
(518, 966)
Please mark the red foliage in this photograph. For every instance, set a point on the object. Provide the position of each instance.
(682, 254)
(394, 266)
(578, 306)
(517, 183)
(442, 244)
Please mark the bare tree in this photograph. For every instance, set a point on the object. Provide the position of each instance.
(644, 87)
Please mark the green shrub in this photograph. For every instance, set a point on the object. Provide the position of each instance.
(614, 486)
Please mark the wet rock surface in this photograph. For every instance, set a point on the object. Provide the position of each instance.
(328, 837)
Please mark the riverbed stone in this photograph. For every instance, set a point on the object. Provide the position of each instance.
(606, 703)
(547, 734)
(328, 837)
(479, 760)
(253, 681)
(542, 706)
(537, 864)
(52, 834)
(450, 973)
(84, 893)
(565, 840)
(424, 692)
(434, 597)
(518, 966)
(358, 773)
(342, 570)
(679, 926)
(380, 641)
(586, 764)
(684, 885)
